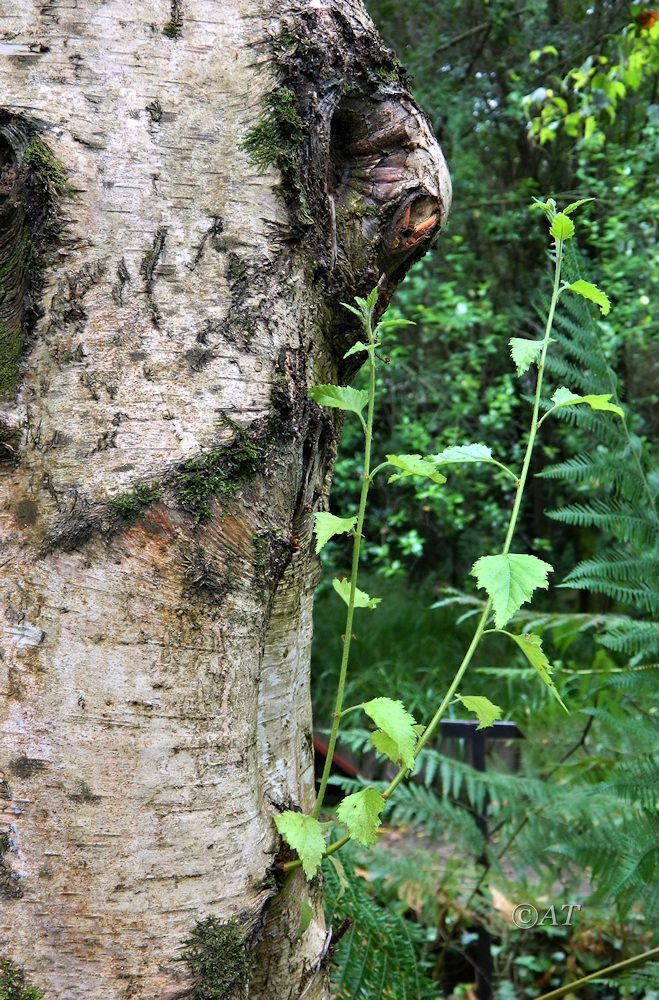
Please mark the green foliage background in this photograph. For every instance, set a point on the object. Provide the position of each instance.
(537, 99)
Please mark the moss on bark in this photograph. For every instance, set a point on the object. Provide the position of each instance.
(219, 959)
(13, 985)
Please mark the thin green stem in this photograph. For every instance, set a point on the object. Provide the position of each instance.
(356, 545)
(482, 621)
(436, 719)
(509, 472)
(628, 963)
(379, 468)
(536, 403)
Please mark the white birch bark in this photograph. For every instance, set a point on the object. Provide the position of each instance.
(154, 688)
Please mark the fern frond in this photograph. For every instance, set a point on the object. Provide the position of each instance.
(642, 597)
(380, 954)
(616, 564)
(626, 519)
(640, 638)
(599, 469)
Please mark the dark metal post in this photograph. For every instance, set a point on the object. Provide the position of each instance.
(469, 731)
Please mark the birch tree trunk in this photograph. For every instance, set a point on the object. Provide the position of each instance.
(187, 192)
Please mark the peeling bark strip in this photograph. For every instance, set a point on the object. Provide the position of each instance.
(230, 178)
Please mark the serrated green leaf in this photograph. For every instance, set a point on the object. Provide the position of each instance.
(482, 707)
(564, 397)
(359, 346)
(463, 453)
(352, 309)
(373, 297)
(510, 581)
(340, 874)
(385, 745)
(306, 916)
(327, 525)
(531, 646)
(575, 205)
(562, 227)
(414, 465)
(341, 397)
(360, 812)
(305, 835)
(591, 292)
(395, 722)
(384, 324)
(524, 353)
(362, 599)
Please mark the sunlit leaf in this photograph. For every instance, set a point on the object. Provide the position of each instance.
(362, 600)
(360, 812)
(524, 353)
(341, 397)
(575, 205)
(305, 835)
(564, 397)
(327, 525)
(589, 291)
(510, 581)
(482, 707)
(562, 228)
(356, 348)
(414, 465)
(395, 722)
(531, 646)
(463, 453)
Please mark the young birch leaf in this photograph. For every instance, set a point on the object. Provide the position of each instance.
(524, 353)
(575, 205)
(385, 324)
(463, 453)
(414, 465)
(327, 525)
(562, 228)
(306, 916)
(385, 745)
(510, 581)
(356, 348)
(357, 312)
(362, 600)
(361, 814)
(305, 835)
(395, 722)
(373, 297)
(564, 397)
(591, 292)
(482, 707)
(341, 397)
(531, 646)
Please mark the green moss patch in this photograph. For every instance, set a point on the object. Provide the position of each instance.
(219, 959)
(216, 474)
(10, 359)
(278, 136)
(128, 505)
(33, 180)
(40, 159)
(12, 983)
(10, 883)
